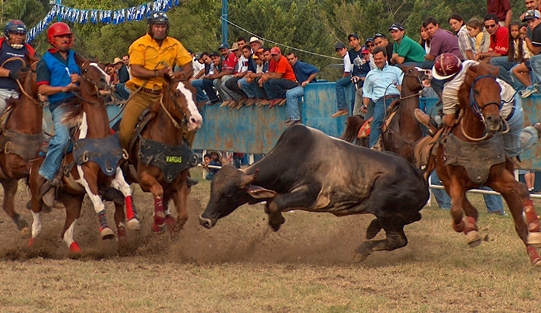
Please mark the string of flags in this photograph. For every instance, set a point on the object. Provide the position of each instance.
(137, 13)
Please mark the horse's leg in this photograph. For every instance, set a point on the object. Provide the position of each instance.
(73, 205)
(473, 238)
(517, 198)
(180, 198)
(88, 173)
(120, 184)
(36, 203)
(457, 193)
(149, 182)
(10, 189)
(120, 217)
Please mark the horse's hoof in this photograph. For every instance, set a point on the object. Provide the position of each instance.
(107, 234)
(31, 242)
(473, 238)
(26, 233)
(534, 239)
(121, 233)
(170, 222)
(158, 229)
(74, 247)
(133, 224)
(535, 260)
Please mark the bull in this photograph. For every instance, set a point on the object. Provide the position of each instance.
(308, 170)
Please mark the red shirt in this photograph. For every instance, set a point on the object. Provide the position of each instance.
(498, 8)
(283, 67)
(230, 62)
(499, 43)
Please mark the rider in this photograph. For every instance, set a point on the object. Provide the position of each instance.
(448, 68)
(152, 56)
(13, 45)
(57, 77)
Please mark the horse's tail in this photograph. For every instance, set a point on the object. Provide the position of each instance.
(353, 124)
(73, 115)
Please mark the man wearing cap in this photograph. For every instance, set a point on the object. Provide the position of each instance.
(381, 87)
(122, 76)
(151, 57)
(533, 41)
(381, 41)
(305, 74)
(229, 63)
(357, 74)
(256, 44)
(344, 82)
(279, 78)
(250, 83)
(406, 51)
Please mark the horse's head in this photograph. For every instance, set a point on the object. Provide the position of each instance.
(93, 76)
(181, 98)
(412, 79)
(481, 92)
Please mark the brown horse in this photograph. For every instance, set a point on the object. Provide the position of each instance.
(472, 155)
(161, 156)
(20, 138)
(403, 131)
(92, 167)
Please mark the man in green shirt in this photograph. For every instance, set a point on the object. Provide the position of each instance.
(405, 50)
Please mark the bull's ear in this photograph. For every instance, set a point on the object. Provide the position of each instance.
(260, 192)
(248, 179)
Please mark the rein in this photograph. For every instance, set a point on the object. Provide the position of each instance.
(175, 123)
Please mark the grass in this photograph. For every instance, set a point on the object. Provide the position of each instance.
(242, 266)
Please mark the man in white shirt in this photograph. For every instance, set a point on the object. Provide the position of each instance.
(343, 82)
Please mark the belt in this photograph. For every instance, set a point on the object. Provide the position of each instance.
(147, 90)
(510, 114)
(389, 97)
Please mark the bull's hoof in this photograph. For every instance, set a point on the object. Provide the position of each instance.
(133, 224)
(534, 239)
(74, 248)
(373, 229)
(107, 234)
(473, 238)
(362, 252)
(358, 257)
(26, 233)
(276, 221)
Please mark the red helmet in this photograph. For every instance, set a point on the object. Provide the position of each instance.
(446, 65)
(58, 29)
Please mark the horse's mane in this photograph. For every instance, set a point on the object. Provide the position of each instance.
(73, 113)
(353, 124)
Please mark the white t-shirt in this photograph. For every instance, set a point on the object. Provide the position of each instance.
(197, 67)
(348, 67)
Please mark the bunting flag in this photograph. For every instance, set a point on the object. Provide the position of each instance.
(115, 17)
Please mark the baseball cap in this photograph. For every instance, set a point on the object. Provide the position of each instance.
(365, 51)
(530, 15)
(275, 50)
(396, 26)
(223, 46)
(339, 46)
(379, 35)
(353, 35)
(369, 39)
(214, 54)
(255, 57)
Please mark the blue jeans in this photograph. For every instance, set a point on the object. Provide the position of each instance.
(270, 91)
(58, 144)
(248, 88)
(518, 140)
(208, 86)
(219, 84)
(505, 66)
(200, 95)
(280, 86)
(535, 63)
(292, 96)
(379, 114)
(341, 85)
(494, 203)
(442, 198)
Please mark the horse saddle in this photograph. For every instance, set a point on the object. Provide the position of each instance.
(476, 157)
(364, 131)
(391, 112)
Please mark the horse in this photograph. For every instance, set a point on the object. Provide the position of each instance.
(472, 155)
(20, 138)
(92, 166)
(401, 130)
(160, 155)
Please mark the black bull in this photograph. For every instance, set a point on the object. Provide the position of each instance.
(308, 170)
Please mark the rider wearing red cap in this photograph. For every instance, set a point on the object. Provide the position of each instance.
(448, 68)
(12, 48)
(57, 77)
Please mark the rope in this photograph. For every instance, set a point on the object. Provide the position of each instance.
(280, 44)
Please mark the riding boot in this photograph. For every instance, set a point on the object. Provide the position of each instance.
(47, 191)
(427, 121)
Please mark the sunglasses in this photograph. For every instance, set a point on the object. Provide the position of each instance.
(490, 26)
(370, 45)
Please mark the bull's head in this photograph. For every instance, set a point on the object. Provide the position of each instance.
(230, 189)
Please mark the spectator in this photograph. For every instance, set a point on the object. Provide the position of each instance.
(121, 92)
(344, 82)
(279, 79)
(531, 5)
(518, 53)
(240, 70)
(381, 86)
(405, 50)
(245, 66)
(499, 38)
(229, 63)
(425, 40)
(441, 41)
(250, 83)
(502, 10)
(241, 42)
(214, 161)
(381, 41)
(197, 79)
(522, 71)
(208, 79)
(357, 75)
(369, 43)
(305, 73)
(256, 44)
(198, 65)
(466, 44)
(476, 30)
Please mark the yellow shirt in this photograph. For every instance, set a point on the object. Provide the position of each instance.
(146, 52)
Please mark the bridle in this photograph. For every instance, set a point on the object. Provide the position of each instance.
(420, 93)
(95, 84)
(175, 103)
(478, 110)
